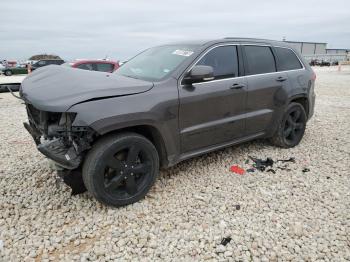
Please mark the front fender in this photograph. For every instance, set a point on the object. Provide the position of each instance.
(156, 109)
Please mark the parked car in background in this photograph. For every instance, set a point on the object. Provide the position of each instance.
(325, 63)
(19, 70)
(165, 105)
(45, 62)
(95, 65)
(2, 67)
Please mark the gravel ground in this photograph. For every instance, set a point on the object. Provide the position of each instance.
(289, 215)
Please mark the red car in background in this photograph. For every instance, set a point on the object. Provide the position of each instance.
(95, 65)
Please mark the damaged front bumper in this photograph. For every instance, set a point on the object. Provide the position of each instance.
(59, 153)
(55, 137)
(56, 149)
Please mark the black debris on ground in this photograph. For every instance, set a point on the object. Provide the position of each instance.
(250, 170)
(305, 170)
(238, 207)
(225, 241)
(284, 168)
(262, 164)
(271, 170)
(291, 159)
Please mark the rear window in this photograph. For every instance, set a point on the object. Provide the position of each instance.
(85, 66)
(286, 59)
(260, 60)
(105, 67)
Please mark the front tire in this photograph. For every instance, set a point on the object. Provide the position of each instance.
(292, 127)
(120, 169)
(8, 73)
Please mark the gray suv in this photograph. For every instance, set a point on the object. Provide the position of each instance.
(167, 104)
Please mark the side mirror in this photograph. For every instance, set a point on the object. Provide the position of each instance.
(199, 73)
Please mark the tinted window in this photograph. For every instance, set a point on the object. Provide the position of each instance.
(85, 66)
(41, 63)
(104, 67)
(286, 59)
(224, 61)
(260, 60)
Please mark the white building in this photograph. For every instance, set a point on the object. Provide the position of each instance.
(317, 50)
(309, 48)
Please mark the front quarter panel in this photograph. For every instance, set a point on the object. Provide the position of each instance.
(157, 107)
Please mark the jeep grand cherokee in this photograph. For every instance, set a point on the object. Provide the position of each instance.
(167, 104)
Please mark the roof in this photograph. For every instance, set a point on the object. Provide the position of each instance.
(229, 39)
(303, 42)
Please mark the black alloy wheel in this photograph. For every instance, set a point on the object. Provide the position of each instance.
(120, 169)
(292, 127)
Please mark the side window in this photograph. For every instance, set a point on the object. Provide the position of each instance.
(105, 67)
(85, 66)
(42, 62)
(286, 59)
(260, 60)
(224, 61)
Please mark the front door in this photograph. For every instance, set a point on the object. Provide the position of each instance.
(212, 112)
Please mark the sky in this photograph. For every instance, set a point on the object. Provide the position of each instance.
(78, 29)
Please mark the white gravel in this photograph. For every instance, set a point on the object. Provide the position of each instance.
(289, 215)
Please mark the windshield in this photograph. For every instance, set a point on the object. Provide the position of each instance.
(157, 62)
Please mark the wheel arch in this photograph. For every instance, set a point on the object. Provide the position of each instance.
(151, 133)
(303, 100)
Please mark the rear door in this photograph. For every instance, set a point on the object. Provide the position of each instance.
(212, 112)
(299, 78)
(266, 88)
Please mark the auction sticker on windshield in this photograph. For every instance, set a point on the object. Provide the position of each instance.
(182, 52)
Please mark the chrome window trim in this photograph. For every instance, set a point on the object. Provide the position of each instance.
(238, 77)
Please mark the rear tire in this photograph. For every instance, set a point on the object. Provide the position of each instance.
(292, 127)
(120, 169)
(8, 73)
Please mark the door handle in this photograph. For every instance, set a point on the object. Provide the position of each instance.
(281, 79)
(237, 86)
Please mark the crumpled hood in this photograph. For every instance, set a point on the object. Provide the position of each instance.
(56, 88)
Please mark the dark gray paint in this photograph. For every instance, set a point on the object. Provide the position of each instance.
(56, 88)
(190, 120)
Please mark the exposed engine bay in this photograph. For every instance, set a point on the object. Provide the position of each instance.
(56, 138)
